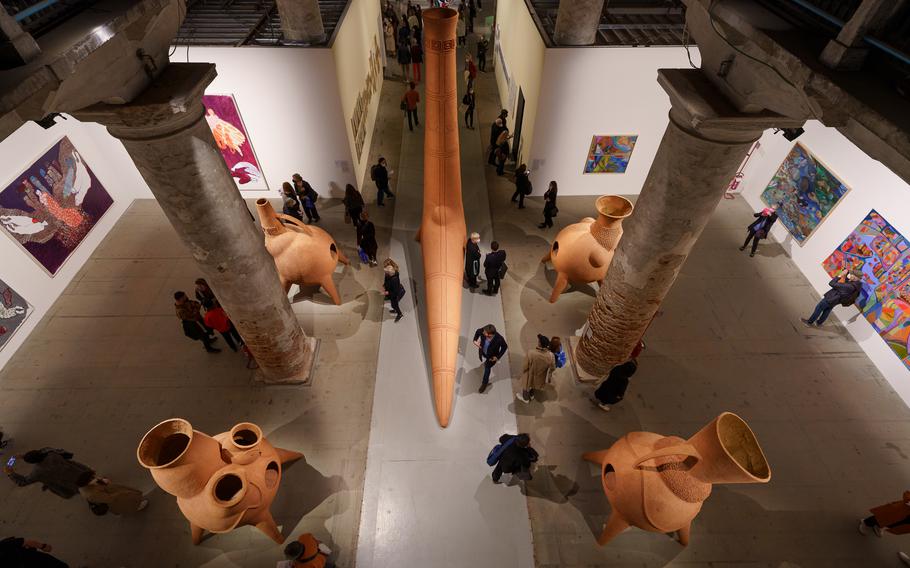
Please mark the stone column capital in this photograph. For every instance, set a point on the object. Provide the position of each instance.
(171, 103)
(700, 109)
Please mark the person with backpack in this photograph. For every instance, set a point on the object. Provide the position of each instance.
(379, 173)
(392, 288)
(523, 186)
(494, 268)
(491, 346)
(845, 290)
(307, 197)
(514, 455)
(539, 363)
(760, 228)
(613, 388)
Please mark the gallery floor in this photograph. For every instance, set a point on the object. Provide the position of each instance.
(109, 361)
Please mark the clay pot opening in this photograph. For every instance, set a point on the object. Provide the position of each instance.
(738, 440)
(272, 474)
(609, 476)
(555, 247)
(229, 489)
(261, 201)
(334, 250)
(614, 206)
(439, 14)
(245, 435)
(165, 443)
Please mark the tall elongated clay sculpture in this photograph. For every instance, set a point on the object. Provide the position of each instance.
(583, 251)
(220, 482)
(658, 483)
(305, 255)
(442, 231)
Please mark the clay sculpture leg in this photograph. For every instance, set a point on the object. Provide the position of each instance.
(562, 282)
(615, 525)
(595, 457)
(267, 525)
(287, 456)
(196, 533)
(329, 286)
(546, 258)
(684, 534)
(343, 259)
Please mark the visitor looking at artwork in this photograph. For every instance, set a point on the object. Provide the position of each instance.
(845, 290)
(760, 228)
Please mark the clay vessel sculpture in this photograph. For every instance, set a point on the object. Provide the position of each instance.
(442, 231)
(304, 255)
(583, 251)
(658, 483)
(220, 482)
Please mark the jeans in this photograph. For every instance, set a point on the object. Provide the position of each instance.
(500, 166)
(311, 213)
(487, 366)
(492, 284)
(822, 309)
(469, 117)
(412, 112)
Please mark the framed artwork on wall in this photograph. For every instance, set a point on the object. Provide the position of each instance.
(13, 311)
(883, 256)
(610, 154)
(50, 207)
(223, 117)
(806, 190)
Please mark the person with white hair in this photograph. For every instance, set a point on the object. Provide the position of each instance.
(472, 260)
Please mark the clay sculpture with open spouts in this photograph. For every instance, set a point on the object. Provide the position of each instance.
(304, 255)
(583, 251)
(220, 482)
(658, 483)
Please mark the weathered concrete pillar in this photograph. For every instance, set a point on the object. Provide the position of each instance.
(168, 139)
(301, 20)
(701, 149)
(17, 47)
(577, 21)
(847, 52)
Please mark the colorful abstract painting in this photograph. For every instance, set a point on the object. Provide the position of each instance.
(13, 311)
(51, 207)
(609, 154)
(883, 256)
(805, 190)
(230, 134)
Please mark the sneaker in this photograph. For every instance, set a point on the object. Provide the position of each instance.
(904, 558)
(604, 407)
(742, 248)
(878, 531)
(751, 254)
(143, 504)
(863, 528)
(391, 311)
(398, 318)
(521, 398)
(497, 481)
(805, 321)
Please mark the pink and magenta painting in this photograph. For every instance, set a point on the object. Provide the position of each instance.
(50, 208)
(223, 118)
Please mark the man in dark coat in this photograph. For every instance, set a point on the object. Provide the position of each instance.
(380, 174)
(472, 260)
(613, 389)
(24, 553)
(492, 268)
(53, 468)
(516, 458)
(760, 228)
(845, 289)
(491, 346)
(495, 130)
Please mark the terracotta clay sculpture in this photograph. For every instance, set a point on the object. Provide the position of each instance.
(442, 233)
(582, 252)
(658, 483)
(304, 255)
(220, 482)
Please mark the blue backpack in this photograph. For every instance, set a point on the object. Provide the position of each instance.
(498, 450)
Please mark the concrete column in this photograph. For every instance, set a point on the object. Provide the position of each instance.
(17, 47)
(301, 20)
(577, 21)
(167, 137)
(700, 152)
(847, 52)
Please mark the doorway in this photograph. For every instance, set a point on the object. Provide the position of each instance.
(519, 118)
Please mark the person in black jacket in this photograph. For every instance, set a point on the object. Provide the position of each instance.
(613, 389)
(18, 552)
(495, 130)
(353, 203)
(472, 260)
(522, 185)
(845, 289)
(53, 468)
(380, 174)
(491, 346)
(290, 205)
(366, 237)
(516, 458)
(391, 286)
(760, 228)
(549, 206)
(307, 197)
(492, 268)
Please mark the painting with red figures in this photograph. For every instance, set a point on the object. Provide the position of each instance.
(223, 117)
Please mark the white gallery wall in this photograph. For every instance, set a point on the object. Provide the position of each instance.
(110, 163)
(289, 101)
(600, 91)
(872, 186)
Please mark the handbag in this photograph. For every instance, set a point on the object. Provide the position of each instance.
(363, 256)
(502, 270)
